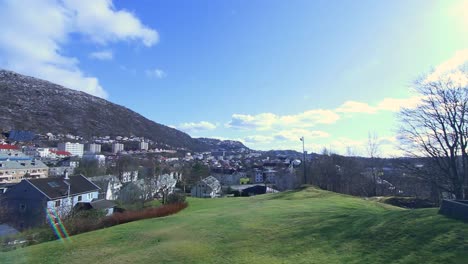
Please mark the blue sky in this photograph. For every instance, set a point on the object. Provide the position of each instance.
(263, 72)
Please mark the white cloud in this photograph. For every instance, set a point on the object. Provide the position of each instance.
(267, 121)
(196, 127)
(294, 135)
(451, 69)
(33, 35)
(102, 55)
(356, 107)
(387, 104)
(258, 139)
(98, 20)
(156, 73)
(396, 104)
(458, 11)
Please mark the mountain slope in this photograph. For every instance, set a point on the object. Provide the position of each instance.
(223, 145)
(28, 103)
(308, 226)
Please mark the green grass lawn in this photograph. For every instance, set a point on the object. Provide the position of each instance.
(308, 226)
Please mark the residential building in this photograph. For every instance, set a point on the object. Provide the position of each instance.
(101, 159)
(59, 171)
(8, 148)
(143, 145)
(209, 187)
(32, 202)
(73, 162)
(59, 154)
(76, 149)
(128, 176)
(110, 186)
(43, 152)
(117, 147)
(15, 166)
(93, 148)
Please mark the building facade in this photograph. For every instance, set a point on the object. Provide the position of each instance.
(117, 147)
(143, 145)
(94, 148)
(76, 149)
(34, 202)
(15, 166)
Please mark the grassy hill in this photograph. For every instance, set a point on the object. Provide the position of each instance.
(307, 226)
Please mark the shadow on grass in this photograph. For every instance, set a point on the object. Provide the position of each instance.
(412, 235)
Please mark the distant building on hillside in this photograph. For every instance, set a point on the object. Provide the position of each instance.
(76, 149)
(8, 148)
(117, 147)
(143, 145)
(209, 187)
(94, 148)
(101, 159)
(15, 166)
(21, 135)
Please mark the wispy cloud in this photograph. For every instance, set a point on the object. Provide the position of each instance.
(258, 139)
(267, 121)
(452, 69)
(356, 107)
(155, 73)
(193, 127)
(37, 32)
(102, 55)
(387, 104)
(294, 134)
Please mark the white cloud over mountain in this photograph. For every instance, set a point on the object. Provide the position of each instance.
(102, 55)
(34, 33)
(194, 127)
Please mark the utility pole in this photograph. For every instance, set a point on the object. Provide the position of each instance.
(304, 158)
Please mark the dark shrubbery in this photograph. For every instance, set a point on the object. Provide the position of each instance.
(85, 221)
(175, 198)
(130, 216)
(409, 202)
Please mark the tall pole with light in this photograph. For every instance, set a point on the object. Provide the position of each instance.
(304, 158)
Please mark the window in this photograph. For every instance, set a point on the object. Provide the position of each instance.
(79, 198)
(22, 207)
(57, 203)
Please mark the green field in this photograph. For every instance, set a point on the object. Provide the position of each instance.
(307, 226)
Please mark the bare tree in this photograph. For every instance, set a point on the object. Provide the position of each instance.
(437, 129)
(373, 151)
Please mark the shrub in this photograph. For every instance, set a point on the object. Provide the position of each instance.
(174, 198)
(129, 216)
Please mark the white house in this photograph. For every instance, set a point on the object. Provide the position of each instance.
(207, 188)
(33, 202)
(110, 186)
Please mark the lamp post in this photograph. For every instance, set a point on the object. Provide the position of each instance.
(304, 159)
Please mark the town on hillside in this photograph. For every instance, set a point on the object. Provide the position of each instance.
(65, 173)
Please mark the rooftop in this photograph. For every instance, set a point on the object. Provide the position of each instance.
(55, 188)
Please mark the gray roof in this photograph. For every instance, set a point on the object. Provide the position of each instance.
(212, 182)
(55, 188)
(102, 204)
(22, 164)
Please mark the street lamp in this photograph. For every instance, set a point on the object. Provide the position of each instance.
(304, 158)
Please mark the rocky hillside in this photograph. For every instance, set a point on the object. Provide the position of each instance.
(223, 145)
(28, 103)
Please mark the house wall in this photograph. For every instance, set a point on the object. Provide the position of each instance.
(201, 190)
(67, 204)
(9, 175)
(25, 206)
